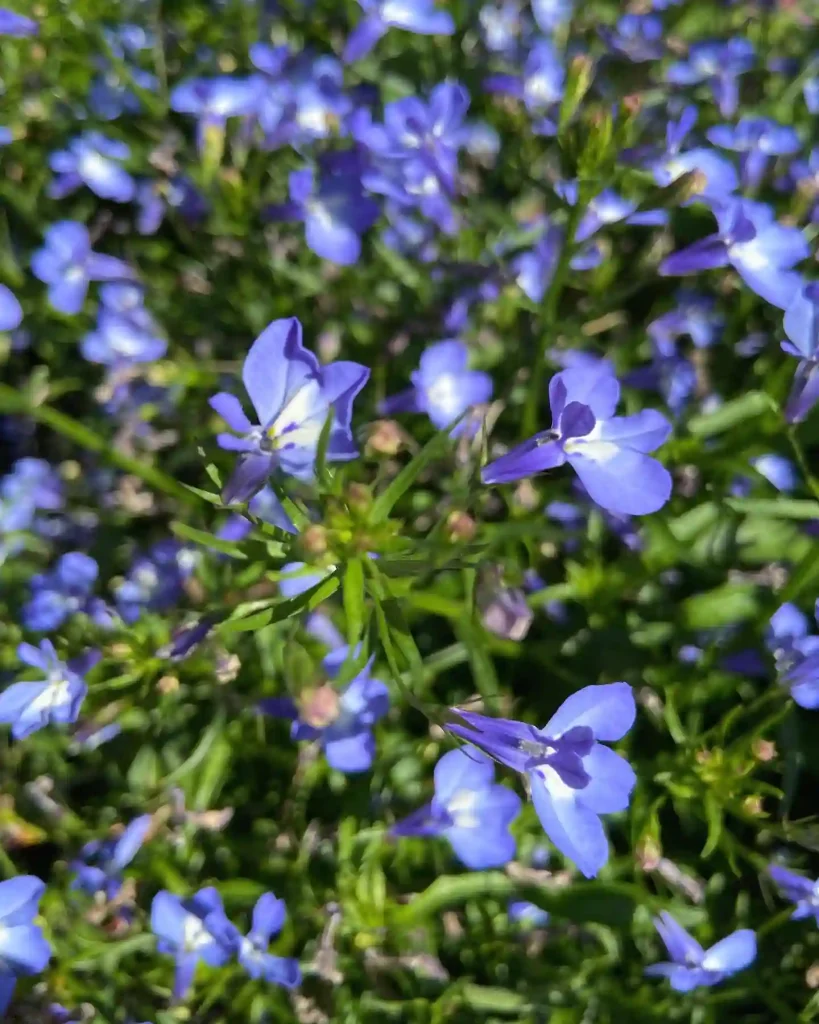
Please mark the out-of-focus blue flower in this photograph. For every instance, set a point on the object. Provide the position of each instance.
(796, 653)
(297, 578)
(126, 332)
(192, 930)
(23, 948)
(535, 268)
(56, 698)
(718, 177)
(638, 37)
(502, 24)
(550, 15)
(268, 920)
(93, 160)
(760, 249)
(6, 136)
(800, 890)
(341, 723)
(31, 486)
(421, 17)
(540, 85)
(11, 312)
(332, 206)
(67, 263)
(777, 470)
(757, 139)
(573, 776)
(691, 966)
(695, 315)
(469, 810)
(719, 64)
(293, 396)
(110, 95)
(810, 90)
(65, 591)
(443, 387)
(155, 580)
(609, 453)
(801, 325)
(102, 862)
(16, 25)
(212, 101)
(154, 198)
(527, 915)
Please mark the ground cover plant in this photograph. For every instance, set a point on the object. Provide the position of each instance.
(409, 511)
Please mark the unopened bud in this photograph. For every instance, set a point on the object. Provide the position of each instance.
(812, 975)
(314, 540)
(461, 526)
(505, 613)
(167, 684)
(385, 438)
(764, 750)
(359, 497)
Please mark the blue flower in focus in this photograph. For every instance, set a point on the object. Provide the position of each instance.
(11, 312)
(332, 206)
(268, 920)
(609, 453)
(443, 387)
(341, 723)
(796, 654)
(719, 64)
(66, 590)
(800, 890)
(155, 580)
(67, 263)
(691, 966)
(421, 17)
(56, 698)
(101, 863)
(573, 776)
(126, 332)
(93, 160)
(23, 948)
(801, 325)
(293, 396)
(16, 25)
(469, 810)
(757, 139)
(760, 249)
(192, 930)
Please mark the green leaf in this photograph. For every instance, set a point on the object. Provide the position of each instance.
(433, 449)
(723, 606)
(353, 597)
(247, 623)
(145, 771)
(226, 547)
(804, 577)
(732, 413)
(323, 444)
(776, 508)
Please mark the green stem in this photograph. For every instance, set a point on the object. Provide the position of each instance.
(810, 479)
(551, 304)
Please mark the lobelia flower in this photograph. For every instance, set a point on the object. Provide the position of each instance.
(294, 580)
(777, 470)
(550, 15)
(501, 25)
(101, 863)
(810, 91)
(796, 654)
(213, 100)
(800, 890)
(292, 396)
(638, 37)
(420, 17)
(192, 930)
(67, 263)
(469, 810)
(540, 85)
(801, 325)
(23, 948)
(155, 580)
(608, 452)
(126, 333)
(695, 315)
(65, 591)
(11, 312)
(443, 387)
(691, 966)
(268, 920)
(332, 206)
(342, 722)
(534, 269)
(757, 139)
(31, 705)
(92, 160)
(527, 915)
(573, 777)
(719, 64)
(16, 25)
(760, 249)
(155, 198)
(32, 485)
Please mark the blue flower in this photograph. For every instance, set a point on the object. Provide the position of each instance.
(67, 263)
(573, 776)
(342, 722)
(550, 15)
(718, 63)
(540, 85)
(155, 198)
(469, 810)
(293, 396)
(126, 332)
(718, 177)
(29, 706)
(11, 312)
(800, 890)
(32, 485)
(12, 24)
(93, 160)
(101, 863)
(268, 920)
(23, 949)
(443, 387)
(796, 654)
(801, 325)
(527, 915)
(418, 16)
(757, 139)
(695, 315)
(63, 592)
(608, 452)
(638, 37)
(192, 930)
(213, 100)
(155, 580)
(691, 966)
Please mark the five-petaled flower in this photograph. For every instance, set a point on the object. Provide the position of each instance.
(101, 862)
(268, 920)
(67, 263)
(691, 966)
